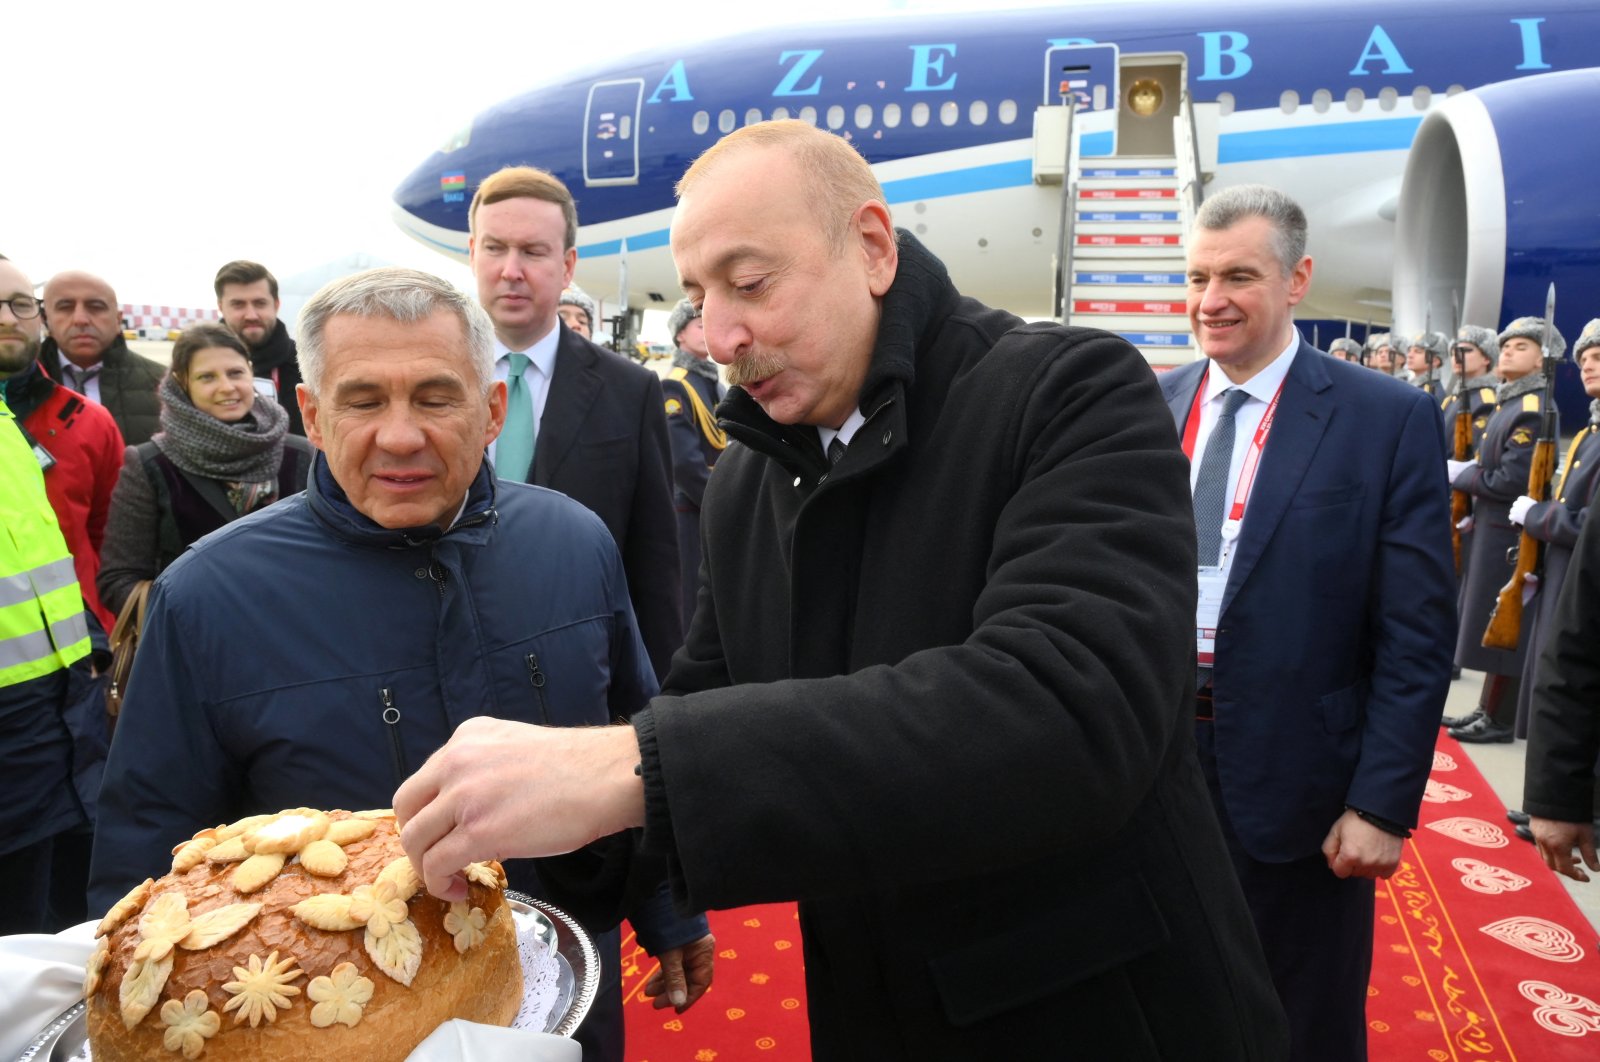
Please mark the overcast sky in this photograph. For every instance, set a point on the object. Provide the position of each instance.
(152, 142)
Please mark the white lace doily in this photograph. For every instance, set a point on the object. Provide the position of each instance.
(541, 974)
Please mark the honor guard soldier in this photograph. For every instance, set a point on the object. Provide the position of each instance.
(1380, 353)
(1495, 479)
(577, 311)
(692, 390)
(1424, 359)
(1473, 355)
(1345, 349)
(1557, 521)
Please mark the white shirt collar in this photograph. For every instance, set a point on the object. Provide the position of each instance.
(1264, 384)
(845, 431)
(542, 353)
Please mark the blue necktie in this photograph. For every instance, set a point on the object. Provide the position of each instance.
(1211, 484)
(514, 453)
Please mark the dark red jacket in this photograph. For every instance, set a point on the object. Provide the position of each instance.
(87, 446)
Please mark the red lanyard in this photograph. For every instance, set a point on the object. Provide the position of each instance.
(1252, 457)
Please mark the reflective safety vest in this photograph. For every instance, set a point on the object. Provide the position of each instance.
(42, 625)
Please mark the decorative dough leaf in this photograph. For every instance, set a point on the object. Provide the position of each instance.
(324, 858)
(329, 911)
(375, 813)
(234, 829)
(257, 871)
(124, 907)
(191, 854)
(398, 952)
(348, 831)
(141, 987)
(231, 850)
(213, 927)
(96, 966)
(403, 876)
(287, 834)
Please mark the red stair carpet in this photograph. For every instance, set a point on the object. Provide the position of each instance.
(1479, 954)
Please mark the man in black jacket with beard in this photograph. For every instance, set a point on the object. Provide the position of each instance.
(939, 683)
(247, 296)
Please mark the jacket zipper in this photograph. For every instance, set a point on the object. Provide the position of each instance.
(437, 572)
(536, 680)
(391, 719)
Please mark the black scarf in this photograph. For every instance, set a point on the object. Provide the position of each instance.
(275, 353)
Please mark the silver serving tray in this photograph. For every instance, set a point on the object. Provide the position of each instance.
(578, 980)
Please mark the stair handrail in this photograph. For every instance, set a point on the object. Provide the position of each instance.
(1069, 199)
(1191, 189)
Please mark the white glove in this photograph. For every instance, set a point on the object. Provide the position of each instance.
(1464, 524)
(1520, 507)
(1454, 468)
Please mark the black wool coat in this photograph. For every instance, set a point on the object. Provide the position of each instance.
(942, 693)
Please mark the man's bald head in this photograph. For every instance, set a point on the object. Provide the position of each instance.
(82, 315)
(838, 179)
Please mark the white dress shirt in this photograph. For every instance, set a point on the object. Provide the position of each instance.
(845, 431)
(1261, 388)
(541, 369)
(91, 388)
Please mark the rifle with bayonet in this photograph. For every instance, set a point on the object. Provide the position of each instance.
(1460, 500)
(1505, 622)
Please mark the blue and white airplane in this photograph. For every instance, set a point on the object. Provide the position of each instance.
(1445, 151)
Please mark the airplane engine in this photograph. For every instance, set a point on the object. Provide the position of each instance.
(1500, 198)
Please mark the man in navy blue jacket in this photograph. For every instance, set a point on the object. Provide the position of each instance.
(318, 652)
(1327, 608)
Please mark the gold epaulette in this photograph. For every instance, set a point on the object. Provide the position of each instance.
(1530, 402)
(1486, 394)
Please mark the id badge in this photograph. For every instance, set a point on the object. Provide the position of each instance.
(1208, 611)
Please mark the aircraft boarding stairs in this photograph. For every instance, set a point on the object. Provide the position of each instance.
(1127, 264)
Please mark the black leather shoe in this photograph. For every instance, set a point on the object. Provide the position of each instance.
(1451, 722)
(1520, 818)
(1525, 833)
(1483, 731)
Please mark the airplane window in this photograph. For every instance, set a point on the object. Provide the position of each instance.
(1353, 100)
(835, 117)
(1421, 96)
(863, 115)
(978, 113)
(1289, 102)
(1321, 100)
(949, 112)
(1454, 90)
(779, 113)
(1008, 111)
(1224, 103)
(808, 115)
(752, 116)
(919, 114)
(1387, 98)
(725, 122)
(702, 122)
(891, 115)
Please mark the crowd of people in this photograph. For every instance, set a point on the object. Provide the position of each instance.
(916, 652)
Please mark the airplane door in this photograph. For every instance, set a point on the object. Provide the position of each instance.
(1088, 71)
(1152, 87)
(611, 132)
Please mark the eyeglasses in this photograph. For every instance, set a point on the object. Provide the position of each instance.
(24, 306)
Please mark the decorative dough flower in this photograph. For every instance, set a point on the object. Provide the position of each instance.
(378, 906)
(262, 990)
(189, 1024)
(339, 996)
(465, 926)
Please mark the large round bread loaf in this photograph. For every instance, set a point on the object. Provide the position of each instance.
(303, 936)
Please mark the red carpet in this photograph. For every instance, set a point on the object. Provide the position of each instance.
(1479, 955)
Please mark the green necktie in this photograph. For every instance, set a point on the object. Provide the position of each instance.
(514, 454)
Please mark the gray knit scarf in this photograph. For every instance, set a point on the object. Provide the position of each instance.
(246, 451)
(1534, 381)
(682, 359)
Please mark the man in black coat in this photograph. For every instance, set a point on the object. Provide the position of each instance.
(580, 419)
(247, 298)
(939, 684)
(86, 352)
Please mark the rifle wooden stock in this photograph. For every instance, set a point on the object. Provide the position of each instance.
(1505, 622)
(1460, 501)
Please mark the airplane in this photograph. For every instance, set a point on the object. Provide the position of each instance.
(1443, 151)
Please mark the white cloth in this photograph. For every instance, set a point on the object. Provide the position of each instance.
(541, 369)
(1455, 468)
(41, 976)
(1520, 507)
(1261, 388)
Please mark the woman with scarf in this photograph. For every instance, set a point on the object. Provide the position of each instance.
(223, 451)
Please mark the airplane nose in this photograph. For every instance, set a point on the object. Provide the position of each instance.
(430, 205)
